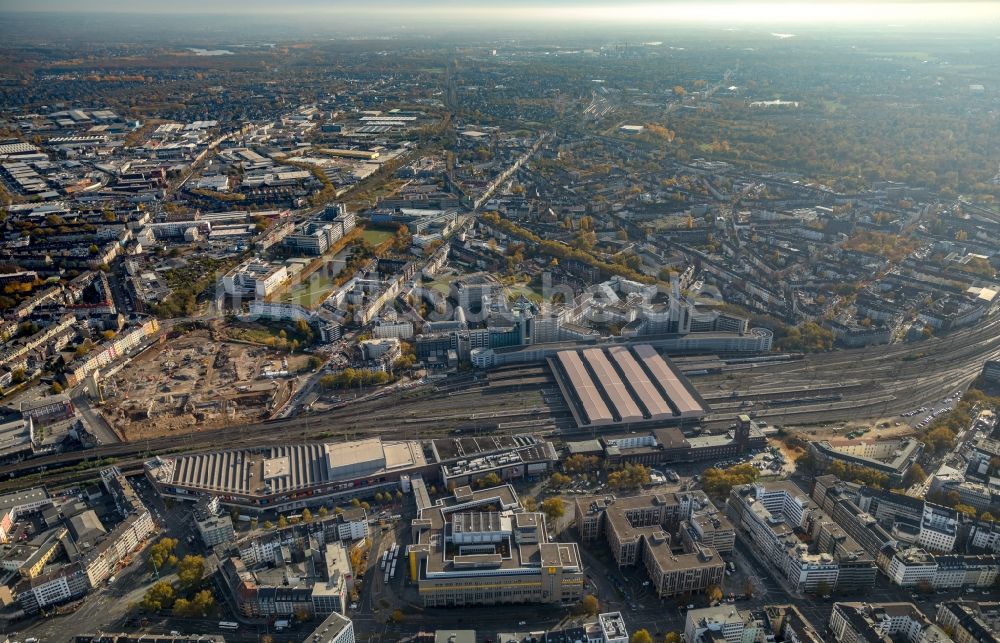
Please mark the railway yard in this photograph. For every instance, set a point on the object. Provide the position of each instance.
(831, 388)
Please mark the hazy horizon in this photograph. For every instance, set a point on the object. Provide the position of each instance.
(556, 12)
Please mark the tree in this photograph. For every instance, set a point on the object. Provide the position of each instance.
(529, 503)
(397, 616)
(184, 607)
(589, 605)
(641, 636)
(307, 515)
(204, 600)
(491, 479)
(158, 597)
(559, 480)
(915, 475)
(553, 508)
(580, 463)
(672, 637)
(282, 522)
(713, 593)
(159, 553)
(965, 510)
(631, 476)
(399, 495)
(268, 524)
(939, 439)
(191, 570)
(987, 517)
(323, 512)
(57, 388)
(805, 462)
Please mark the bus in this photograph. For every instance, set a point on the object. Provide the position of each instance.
(385, 579)
(228, 625)
(385, 558)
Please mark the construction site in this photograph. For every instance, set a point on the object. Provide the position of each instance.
(195, 382)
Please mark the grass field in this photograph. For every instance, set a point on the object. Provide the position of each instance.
(310, 292)
(375, 236)
(524, 289)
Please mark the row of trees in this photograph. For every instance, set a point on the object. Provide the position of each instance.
(810, 337)
(163, 596)
(354, 377)
(954, 500)
(939, 436)
(559, 250)
(858, 473)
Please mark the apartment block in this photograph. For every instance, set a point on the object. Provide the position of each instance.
(880, 622)
(779, 520)
(970, 621)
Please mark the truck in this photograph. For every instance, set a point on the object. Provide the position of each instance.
(281, 625)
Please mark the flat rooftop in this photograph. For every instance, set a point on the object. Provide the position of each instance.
(472, 447)
(486, 531)
(285, 468)
(10, 500)
(624, 385)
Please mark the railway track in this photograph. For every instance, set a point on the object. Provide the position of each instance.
(893, 379)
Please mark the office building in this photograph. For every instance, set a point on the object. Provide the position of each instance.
(335, 628)
(638, 531)
(352, 524)
(254, 279)
(938, 528)
(214, 527)
(482, 548)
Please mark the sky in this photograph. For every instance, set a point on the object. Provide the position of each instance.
(820, 12)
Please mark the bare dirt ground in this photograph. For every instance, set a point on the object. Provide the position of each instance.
(194, 382)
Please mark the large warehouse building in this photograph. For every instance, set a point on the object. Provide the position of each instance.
(293, 476)
(623, 385)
